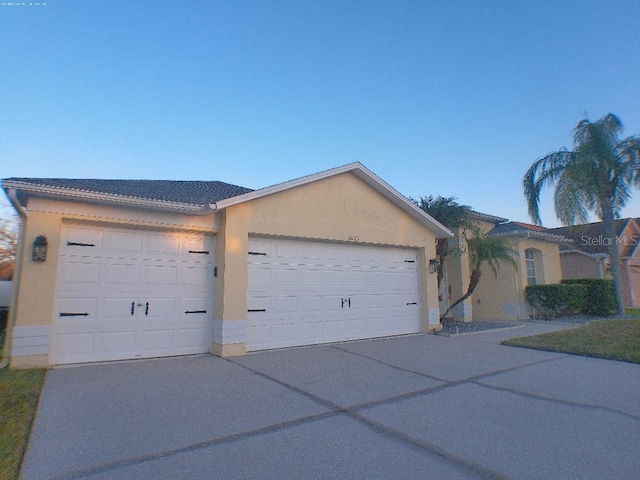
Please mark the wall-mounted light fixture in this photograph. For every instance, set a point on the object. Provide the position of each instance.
(433, 265)
(39, 249)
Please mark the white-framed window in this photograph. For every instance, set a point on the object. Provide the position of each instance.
(531, 266)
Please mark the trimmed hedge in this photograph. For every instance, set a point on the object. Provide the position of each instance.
(600, 298)
(590, 296)
(556, 299)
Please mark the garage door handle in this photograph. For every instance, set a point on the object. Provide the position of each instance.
(412, 303)
(146, 310)
(195, 311)
(73, 314)
(133, 308)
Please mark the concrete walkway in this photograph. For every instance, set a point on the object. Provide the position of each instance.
(420, 407)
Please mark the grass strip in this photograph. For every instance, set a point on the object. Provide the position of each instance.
(19, 393)
(609, 339)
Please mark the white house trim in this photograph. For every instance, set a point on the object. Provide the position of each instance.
(109, 198)
(363, 174)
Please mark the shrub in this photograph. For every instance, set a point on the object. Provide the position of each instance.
(556, 299)
(600, 297)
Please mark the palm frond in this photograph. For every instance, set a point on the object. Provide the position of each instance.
(490, 251)
(544, 172)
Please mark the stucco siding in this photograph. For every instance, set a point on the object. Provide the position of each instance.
(503, 298)
(339, 208)
(577, 265)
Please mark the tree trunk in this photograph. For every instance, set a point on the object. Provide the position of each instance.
(614, 252)
(473, 283)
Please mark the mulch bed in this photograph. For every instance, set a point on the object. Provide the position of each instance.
(452, 327)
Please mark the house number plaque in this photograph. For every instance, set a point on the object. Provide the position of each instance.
(353, 238)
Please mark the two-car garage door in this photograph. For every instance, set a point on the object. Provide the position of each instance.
(309, 292)
(127, 293)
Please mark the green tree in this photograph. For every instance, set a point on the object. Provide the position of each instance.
(484, 250)
(452, 215)
(598, 176)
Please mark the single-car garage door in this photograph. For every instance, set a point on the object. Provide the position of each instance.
(128, 293)
(308, 292)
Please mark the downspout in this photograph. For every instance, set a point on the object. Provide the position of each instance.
(8, 337)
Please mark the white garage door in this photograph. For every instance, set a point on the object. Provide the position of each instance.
(304, 293)
(127, 293)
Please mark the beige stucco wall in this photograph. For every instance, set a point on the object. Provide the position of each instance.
(578, 265)
(339, 208)
(503, 298)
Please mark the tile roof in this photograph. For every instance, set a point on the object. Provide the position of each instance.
(526, 230)
(187, 192)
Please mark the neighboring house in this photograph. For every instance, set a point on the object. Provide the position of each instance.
(537, 255)
(587, 256)
(123, 269)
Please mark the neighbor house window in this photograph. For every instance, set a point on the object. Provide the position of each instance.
(531, 266)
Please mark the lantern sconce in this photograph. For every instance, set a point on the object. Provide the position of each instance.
(39, 249)
(433, 265)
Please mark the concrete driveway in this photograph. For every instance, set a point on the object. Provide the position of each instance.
(420, 407)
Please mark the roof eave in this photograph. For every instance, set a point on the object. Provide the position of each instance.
(103, 198)
(363, 174)
(550, 237)
(488, 218)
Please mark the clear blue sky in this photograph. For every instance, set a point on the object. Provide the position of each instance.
(452, 98)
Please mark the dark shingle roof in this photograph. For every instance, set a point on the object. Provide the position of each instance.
(188, 192)
(590, 237)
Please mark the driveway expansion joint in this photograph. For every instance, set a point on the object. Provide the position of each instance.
(234, 437)
(393, 434)
(560, 401)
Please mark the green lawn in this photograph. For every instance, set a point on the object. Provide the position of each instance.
(610, 339)
(19, 393)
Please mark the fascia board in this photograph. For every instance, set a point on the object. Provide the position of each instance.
(104, 198)
(550, 237)
(361, 172)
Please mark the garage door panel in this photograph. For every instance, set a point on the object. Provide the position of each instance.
(155, 340)
(122, 274)
(259, 303)
(286, 305)
(194, 275)
(123, 242)
(152, 270)
(161, 275)
(78, 273)
(117, 306)
(73, 344)
(110, 342)
(316, 292)
(81, 241)
(166, 244)
(310, 303)
(198, 306)
(193, 340)
(74, 308)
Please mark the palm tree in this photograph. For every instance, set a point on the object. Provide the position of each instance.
(452, 215)
(597, 175)
(484, 250)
